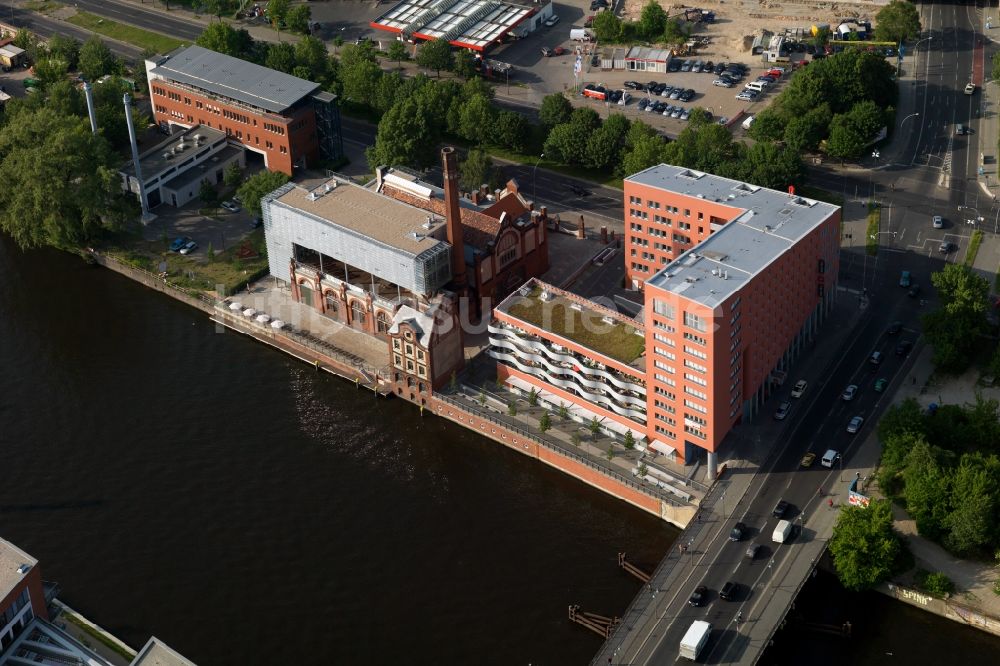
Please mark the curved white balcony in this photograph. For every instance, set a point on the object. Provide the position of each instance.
(561, 370)
(595, 398)
(560, 357)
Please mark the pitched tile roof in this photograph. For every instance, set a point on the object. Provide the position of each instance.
(478, 229)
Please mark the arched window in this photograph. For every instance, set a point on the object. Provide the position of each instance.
(409, 382)
(332, 303)
(382, 322)
(358, 312)
(421, 387)
(507, 250)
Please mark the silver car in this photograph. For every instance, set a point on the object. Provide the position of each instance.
(855, 425)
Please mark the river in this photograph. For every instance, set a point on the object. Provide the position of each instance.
(191, 483)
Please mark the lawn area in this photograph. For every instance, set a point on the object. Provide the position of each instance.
(974, 243)
(871, 233)
(224, 272)
(143, 39)
(585, 326)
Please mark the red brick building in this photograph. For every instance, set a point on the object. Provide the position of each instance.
(21, 595)
(287, 120)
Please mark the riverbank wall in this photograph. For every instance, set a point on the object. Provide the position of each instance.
(300, 345)
(951, 608)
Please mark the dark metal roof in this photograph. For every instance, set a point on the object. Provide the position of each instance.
(237, 79)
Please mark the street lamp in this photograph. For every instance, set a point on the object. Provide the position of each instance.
(533, 175)
(907, 118)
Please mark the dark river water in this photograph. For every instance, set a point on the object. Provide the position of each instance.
(199, 486)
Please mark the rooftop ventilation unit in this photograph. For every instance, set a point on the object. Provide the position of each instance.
(312, 196)
(416, 236)
(23, 569)
(198, 138)
(524, 291)
(691, 279)
(715, 271)
(545, 296)
(429, 222)
(767, 227)
(725, 275)
(327, 187)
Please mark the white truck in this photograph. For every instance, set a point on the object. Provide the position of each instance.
(782, 531)
(581, 34)
(695, 638)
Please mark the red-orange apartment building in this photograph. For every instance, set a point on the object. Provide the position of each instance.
(726, 310)
(287, 120)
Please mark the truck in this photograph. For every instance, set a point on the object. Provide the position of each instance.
(581, 34)
(782, 531)
(695, 638)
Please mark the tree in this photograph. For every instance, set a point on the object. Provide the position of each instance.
(397, 52)
(510, 130)
(512, 408)
(405, 137)
(111, 120)
(311, 53)
(61, 186)
(563, 411)
(805, 132)
(961, 289)
(476, 117)
(974, 494)
(482, 398)
(50, 70)
(232, 176)
(387, 92)
(575, 438)
(359, 80)
(768, 125)
(607, 27)
(610, 453)
(567, 143)
(595, 427)
(646, 152)
(555, 109)
(217, 7)
(629, 442)
(995, 74)
(65, 48)
(477, 169)
(846, 141)
(277, 12)
(207, 193)
(652, 21)
(865, 549)
(464, 64)
(223, 38)
(533, 397)
(927, 490)
(585, 117)
(955, 328)
(544, 423)
(257, 187)
(773, 166)
(676, 31)
(280, 56)
(64, 98)
(435, 54)
(299, 18)
(898, 21)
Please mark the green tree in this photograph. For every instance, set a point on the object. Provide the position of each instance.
(217, 7)
(563, 411)
(280, 56)
(995, 72)
(575, 438)
(607, 27)
(221, 37)
(257, 187)
(476, 169)
(610, 453)
(510, 130)
(232, 176)
(846, 141)
(604, 147)
(927, 490)
(387, 92)
(61, 186)
(821, 37)
(397, 52)
(207, 193)
(298, 19)
(936, 584)
(476, 117)
(652, 21)
(435, 54)
(544, 423)
(773, 166)
(898, 21)
(804, 132)
(585, 117)
(110, 119)
(359, 80)
(482, 398)
(65, 48)
(512, 408)
(595, 427)
(555, 109)
(277, 12)
(567, 143)
(405, 137)
(676, 31)
(768, 125)
(50, 70)
(865, 549)
(464, 64)
(64, 98)
(961, 289)
(210, 253)
(629, 442)
(311, 53)
(646, 152)
(533, 397)
(975, 492)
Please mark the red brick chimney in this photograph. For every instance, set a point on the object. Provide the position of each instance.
(453, 218)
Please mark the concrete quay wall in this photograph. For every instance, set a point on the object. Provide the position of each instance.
(947, 608)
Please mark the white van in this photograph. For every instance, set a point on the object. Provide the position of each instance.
(748, 122)
(782, 531)
(759, 86)
(829, 458)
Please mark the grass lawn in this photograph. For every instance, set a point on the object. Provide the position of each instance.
(98, 636)
(143, 39)
(871, 233)
(974, 243)
(225, 272)
(42, 6)
(617, 340)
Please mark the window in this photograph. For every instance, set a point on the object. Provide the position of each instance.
(507, 251)
(695, 366)
(696, 353)
(694, 321)
(382, 323)
(696, 339)
(358, 312)
(664, 309)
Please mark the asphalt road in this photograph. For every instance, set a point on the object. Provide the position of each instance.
(136, 14)
(47, 27)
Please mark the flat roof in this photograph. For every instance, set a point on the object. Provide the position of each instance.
(179, 146)
(647, 53)
(472, 24)
(157, 653)
(11, 559)
(196, 172)
(375, 216)
(765, 224)
(579, 320)
(236, 79)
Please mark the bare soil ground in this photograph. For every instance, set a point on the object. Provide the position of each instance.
(738, 21)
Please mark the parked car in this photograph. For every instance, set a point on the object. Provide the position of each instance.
(708, 67)
(736, 534)
(904, 347)
(782, 411)
(658, 88)
(552, 20)
(676, 113)
(849, 392)
(667, 111)
(799, 388)
(747, 96)
(643, 103)
(676, 93)
(687, 95)
(230, 206)
(722, 83)
(178, 243)
(904, 279)
(808, 459)
(699, 596)
(685, 114)
(666, 91)
(855, 424)
(780, 509)
(947, 247)
(633, 85)
(189, 247)
(719, 68)
(623, 97)
(674, 65)
(937, 222)
(686, 66)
